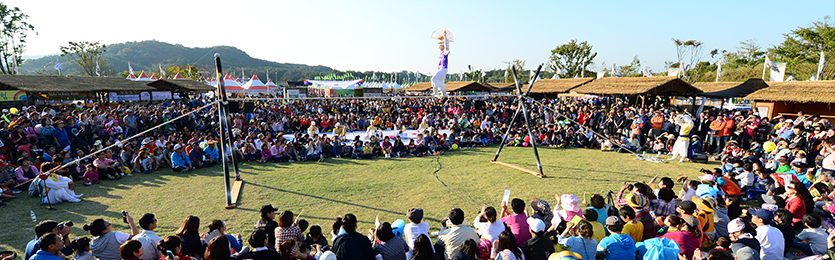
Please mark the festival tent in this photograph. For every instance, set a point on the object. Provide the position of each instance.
(339, 88)
(454, 86)
(788, 98)
(231, 85)
(154, 77)
(730, 89)
(255, 85)
(273, 87)
(143, 77)
(131, 76)
(178, 76)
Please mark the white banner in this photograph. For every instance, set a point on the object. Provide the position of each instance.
(145, 96)
(176, 95)
(601, 74)
(352, 84)
(292, 93)
(120, 98)
(160, 95)
(673, 72)
(778, 72)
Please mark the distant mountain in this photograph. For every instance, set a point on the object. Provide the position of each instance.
(147, 55)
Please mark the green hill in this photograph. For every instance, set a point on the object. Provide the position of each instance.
(147, 55)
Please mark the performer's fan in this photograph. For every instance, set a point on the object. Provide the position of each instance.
(440, 33)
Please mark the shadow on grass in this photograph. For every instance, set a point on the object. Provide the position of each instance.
(328, 199)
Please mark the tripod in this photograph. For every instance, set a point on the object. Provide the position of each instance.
(522, 107)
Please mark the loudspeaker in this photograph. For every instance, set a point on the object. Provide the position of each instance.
(249, 107)
(479, 104)
(234, 107)
(468, 104)
(699, 158)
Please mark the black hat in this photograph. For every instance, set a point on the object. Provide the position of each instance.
(268, 208)
(688, 206)
(415, 214)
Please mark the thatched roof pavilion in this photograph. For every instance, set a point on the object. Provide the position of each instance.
(730, 89)
(661, 86)
(453, 86)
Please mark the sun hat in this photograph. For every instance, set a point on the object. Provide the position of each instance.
(707, 204)
(736, 225)
(707, 177)
(178, 146)
(536, 225)
(570, 202)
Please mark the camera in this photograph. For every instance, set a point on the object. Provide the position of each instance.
(705, 171)
(125, 216)
(67, 223)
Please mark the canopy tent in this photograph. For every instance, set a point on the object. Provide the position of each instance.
(273, 87)
(231, 84)
(131, 76)
(730, 89)
(255, 85)
(661, 86)
(339, 84)
(154, 77)
(178, 76)
(454, 86)
(143, 77)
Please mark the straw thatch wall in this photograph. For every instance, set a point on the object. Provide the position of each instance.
(666, 86)
(555, 86)
(41, 83)
(797, 91)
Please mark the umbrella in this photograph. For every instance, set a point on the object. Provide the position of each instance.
(439, 33)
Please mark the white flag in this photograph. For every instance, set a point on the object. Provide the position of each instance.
(556, 76)
(98, 70)
(821, 65)
(770, 64)
(130, 69)
(673, 72)
(718, 69)
(601, 74)
(778, 72)
(162, 72)
(681, 68)
(615, 72)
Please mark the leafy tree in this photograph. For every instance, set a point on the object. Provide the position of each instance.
(804, 44)
(573, 57)
(631, 70)
(87, 55)
(188, 71)
(688, 51)
(520, 68)
(15, 28)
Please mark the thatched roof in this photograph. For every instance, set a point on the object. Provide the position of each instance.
(502, 86)
(40, 83)
(181, 85)
(797, 91)
(555, 86)
(730, 89)
(454, 86)
(671, 86)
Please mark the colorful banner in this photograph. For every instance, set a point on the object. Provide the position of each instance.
(778, 72)
(12, 95)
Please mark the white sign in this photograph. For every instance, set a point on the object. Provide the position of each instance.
(145, 96)
(160, 95)
(176, 95)
(120, 98)
(292, 93)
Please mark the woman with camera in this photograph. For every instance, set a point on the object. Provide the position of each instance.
(105, 244)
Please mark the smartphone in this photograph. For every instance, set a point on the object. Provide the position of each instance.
(170, 254)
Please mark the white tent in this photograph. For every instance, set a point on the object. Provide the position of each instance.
(255, 85)
(143, 77)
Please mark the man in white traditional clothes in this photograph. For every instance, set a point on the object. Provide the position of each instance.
(60, 189)
(438, 87)
(682, 144)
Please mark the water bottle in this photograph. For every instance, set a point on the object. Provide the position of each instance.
(32, 214)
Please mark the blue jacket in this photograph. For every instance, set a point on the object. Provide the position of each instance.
(211, 153)
(44, 255)
(178, 160)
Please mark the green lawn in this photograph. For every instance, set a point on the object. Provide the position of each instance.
(367, 188)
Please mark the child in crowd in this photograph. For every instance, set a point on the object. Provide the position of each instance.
(91, 176)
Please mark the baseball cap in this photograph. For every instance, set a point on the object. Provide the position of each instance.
(415, 214)
(736, 225)
(707, 177)
(268, 208)
(764, 214)
(536, 225)
(691, 220)
(688, 206)
(177, 146)
(613, 220)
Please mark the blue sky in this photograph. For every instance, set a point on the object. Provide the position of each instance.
(394, 35)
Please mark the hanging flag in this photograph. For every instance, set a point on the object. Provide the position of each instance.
(673, 72)
(583, 72)
(718, 69)
(374, 76)
(601, 74)
(98, 70)
(770, 64)
(58, 66)
(821, 65)
(777, 72)
(161, 72)
(14, 64)
(130, 69)
(615, 72)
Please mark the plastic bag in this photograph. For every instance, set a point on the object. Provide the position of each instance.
(661, 249)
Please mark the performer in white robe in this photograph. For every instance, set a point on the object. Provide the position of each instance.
(438, 86)
(682, 144)
(60, 189)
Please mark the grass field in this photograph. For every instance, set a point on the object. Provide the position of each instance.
(367, 188)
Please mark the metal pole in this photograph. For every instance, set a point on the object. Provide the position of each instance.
(223, 141)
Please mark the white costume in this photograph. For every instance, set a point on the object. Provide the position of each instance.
(438, 86)
(682, 144)
(59, 190)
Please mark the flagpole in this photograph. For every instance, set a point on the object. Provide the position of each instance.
(765, 65)
(718, 69)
